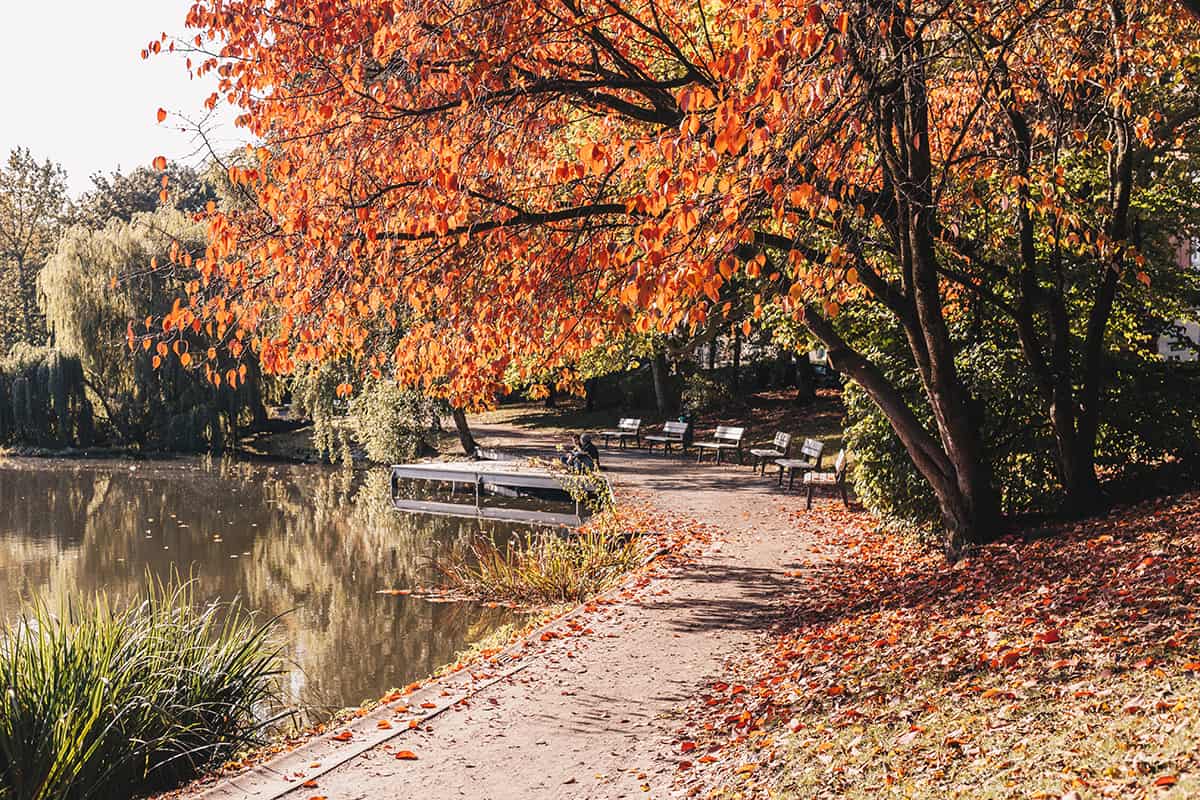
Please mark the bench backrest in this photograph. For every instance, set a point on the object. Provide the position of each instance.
(627, 424)
(782, 442)
(812, 448)
(675, 429)
(730, 434)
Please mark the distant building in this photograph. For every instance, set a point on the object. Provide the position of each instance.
(1181, 340)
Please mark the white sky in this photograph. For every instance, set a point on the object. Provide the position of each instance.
(76, 90)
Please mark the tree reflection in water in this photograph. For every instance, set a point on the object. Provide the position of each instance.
(301, 539)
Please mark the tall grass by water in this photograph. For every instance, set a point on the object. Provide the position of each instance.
(108, 701)
(544, 567)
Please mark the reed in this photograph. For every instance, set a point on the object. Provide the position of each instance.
(544, 567)
(103, 701)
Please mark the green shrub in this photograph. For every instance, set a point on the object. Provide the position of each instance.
(702, 393)
(1012, 427)
(103, 702)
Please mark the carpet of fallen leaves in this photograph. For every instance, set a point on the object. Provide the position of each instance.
(1062, 662)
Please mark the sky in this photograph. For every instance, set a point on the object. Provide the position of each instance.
(77, 91)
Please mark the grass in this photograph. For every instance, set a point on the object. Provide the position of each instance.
(1058, 662)
(544, 567)
(102, 701)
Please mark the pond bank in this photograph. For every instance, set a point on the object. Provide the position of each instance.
(594, 710)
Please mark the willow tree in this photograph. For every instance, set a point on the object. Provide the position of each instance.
(101, 293)
(529, 178)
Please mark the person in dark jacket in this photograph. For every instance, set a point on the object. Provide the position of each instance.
(584, 455)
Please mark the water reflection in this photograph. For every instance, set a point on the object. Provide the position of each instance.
(302, 539)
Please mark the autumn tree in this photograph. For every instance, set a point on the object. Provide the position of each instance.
(33, 197)
(514, 184)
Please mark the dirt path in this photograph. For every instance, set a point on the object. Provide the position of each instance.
(595, 716)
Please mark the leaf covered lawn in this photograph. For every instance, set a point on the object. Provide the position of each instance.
(1060, 662)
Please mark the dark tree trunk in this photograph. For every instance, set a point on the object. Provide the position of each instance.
(551, 400)
(712, 354)
(663, 394)
(589, 394)
(806, 380)
(737, 360)
(465, 438)
(26, 305)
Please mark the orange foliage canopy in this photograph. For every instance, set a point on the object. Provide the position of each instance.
(509, 183)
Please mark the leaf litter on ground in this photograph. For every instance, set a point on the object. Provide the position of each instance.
(1056, 662)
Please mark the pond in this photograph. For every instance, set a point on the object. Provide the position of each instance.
(308, 542)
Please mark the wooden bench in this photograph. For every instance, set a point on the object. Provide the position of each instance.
(835, 480)
(627, 428)
(780, 447)
(673, 433)
(724, 438)
(811, 453)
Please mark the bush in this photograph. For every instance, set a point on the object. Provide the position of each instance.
(701, 393)
(43, 399)
(101, 702)
(1012, 427)
(390, 422)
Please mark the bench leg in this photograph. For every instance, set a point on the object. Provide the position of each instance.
(845, 497)
(719, 451)
(780, 481)
(808, 505)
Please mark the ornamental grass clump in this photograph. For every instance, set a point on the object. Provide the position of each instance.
(101, 701)
(544, 567)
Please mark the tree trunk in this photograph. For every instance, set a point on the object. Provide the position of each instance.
(806, 380)
(551, 400)
(712, 354)
(967, 503)
(465, 438)
(26, 309)
(589, 394)
(737, 360)
(663, 396)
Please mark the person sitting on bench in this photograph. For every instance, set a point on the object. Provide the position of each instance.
(584, 457)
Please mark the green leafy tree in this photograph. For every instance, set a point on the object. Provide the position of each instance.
(177, 392)
(122, 195)
(33, 198)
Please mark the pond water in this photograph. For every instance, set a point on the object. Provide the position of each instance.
(308, 542)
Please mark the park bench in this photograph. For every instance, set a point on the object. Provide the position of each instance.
(673, 433)
(627, 428)
(810, 458)
(780, 447)
(724, 438)
(835, 480)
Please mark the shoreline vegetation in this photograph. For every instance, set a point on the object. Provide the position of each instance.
(103, 698)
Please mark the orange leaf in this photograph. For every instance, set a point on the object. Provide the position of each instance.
(162, 114)
(1166, 780)
(406, 755)
(160, 162)
(344, 736)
